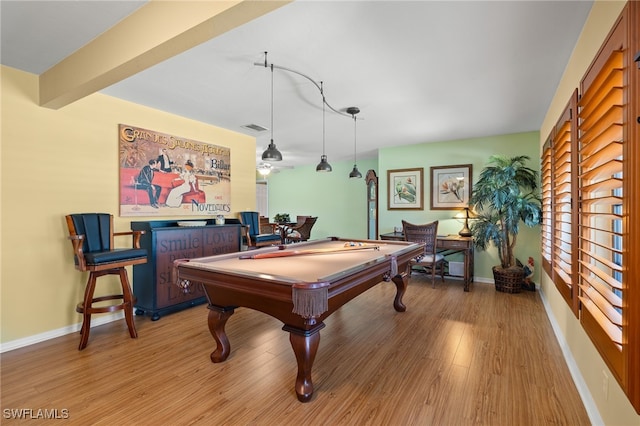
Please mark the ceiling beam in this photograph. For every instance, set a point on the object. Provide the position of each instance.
(155, 32)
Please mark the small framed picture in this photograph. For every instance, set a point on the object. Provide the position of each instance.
(450, 186)
(405, 189)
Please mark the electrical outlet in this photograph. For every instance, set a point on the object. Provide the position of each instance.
(605, 385)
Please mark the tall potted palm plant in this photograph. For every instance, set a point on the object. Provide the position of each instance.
(505, 195)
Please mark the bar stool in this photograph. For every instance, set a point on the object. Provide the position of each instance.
(92, 237)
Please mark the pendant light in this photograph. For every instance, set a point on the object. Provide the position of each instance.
(271, 153)
(355, 173)
(323, 165)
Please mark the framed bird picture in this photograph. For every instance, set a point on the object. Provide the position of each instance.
(405, 189)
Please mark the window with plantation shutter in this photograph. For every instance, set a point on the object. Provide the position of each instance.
(590, 168)
(608, 264)
(564, 209)
(546, 228)
(601, 178)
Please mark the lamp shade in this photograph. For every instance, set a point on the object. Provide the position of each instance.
(355, 173)
(323, 165)
(272, 153)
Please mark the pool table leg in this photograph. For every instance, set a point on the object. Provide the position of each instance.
(217, 320)
(400, 281)
(305, 346)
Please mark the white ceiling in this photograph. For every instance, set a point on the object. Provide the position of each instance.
(420, 71)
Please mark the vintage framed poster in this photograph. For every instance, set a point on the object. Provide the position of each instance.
(166, 175)
(450, 187)
(405, 190)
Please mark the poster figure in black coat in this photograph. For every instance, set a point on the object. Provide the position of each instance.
(164, 161)
(144, 182)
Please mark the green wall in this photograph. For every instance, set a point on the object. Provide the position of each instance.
(466, 151)
(340, 202)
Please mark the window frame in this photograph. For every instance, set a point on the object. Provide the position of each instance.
(597, 247)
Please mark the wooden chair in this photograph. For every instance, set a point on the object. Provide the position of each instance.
(266, 227)
(254, 237)
(92, 237)
(300, 219)
(300, 232)
(426, 234)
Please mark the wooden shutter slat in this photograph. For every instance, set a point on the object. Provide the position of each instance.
(591, 130)
(562, 220)
(562, 236)
(603, 171)
(608, 216)
(562, 252)
(588, 281)
(562, 155)
(611, 265)
(602, 275)
(604, 306)
(611, 317)
(564, 130)
(607, 234)
(604, 185)
(563, 276)
(611, 134)
(601, 201)
(608, 153)
(563, 209)
(600, 238)
(606, 77)
(564, 268)
(561, 170)
(614, 333)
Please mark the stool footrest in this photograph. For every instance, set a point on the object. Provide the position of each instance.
(80, 308)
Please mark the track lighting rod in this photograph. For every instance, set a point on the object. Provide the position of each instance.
(267, 65)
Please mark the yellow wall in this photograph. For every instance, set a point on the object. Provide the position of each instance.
(615, 408)
(56, 162)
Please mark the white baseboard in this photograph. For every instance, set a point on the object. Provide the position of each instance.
(583, 390)
(52, 334)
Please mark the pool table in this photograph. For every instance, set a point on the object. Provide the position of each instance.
(299, 284)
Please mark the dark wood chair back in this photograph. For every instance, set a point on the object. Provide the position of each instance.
(265, 226)
(425, 234)
(300, 219)
(301, 232)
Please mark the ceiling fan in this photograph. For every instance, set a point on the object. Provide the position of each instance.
(265, 168)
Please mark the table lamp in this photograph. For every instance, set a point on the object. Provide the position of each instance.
(465, 214)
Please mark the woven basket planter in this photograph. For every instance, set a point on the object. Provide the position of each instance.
(508, 280)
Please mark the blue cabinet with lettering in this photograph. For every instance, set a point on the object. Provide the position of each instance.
(165, 242)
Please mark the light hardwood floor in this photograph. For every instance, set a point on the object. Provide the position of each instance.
(453, 358)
